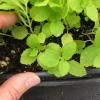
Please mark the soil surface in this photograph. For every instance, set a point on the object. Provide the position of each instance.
(10, 56)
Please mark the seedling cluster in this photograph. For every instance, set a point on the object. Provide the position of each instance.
(55, 18)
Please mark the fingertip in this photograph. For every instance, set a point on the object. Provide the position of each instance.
(7, 19)
(19, 84)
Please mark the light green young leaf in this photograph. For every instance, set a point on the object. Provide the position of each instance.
(37, 29)
(65, 10)
(54, 48)
(26, 58)
(19, 32)
(75, 5)
(96, 24)
(5, 6)
(17, 4)
(97, 37)
(69, 50)
(50, 58)
(76, 69)
(73, 20)
(55, 16)
(88, 55)
(96, 62)
(34, 52)
(46, 29)
(96, 3)
(39, 14)
(63, 68)
(66, 38)
(56, 3)
(47, 60)
(56, 28)
(92, 12)
(33, 1)
(41, 3)
(32, 41)
(80, 45)
(84, 3)
(41, 37)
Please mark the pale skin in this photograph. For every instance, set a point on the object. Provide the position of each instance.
(14, 87)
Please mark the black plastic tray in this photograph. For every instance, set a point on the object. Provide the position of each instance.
(66, 88)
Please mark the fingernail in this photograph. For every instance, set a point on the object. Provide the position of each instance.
(33, 81)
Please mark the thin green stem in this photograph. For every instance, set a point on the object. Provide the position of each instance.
(5, 35)
(30, 24)
(23, 20)
(89, 37)
(28, 19)
(24, 12)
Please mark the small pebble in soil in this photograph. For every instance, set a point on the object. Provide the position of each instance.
(7, 59)
(3, 64)
(77, 30)
(13, 52)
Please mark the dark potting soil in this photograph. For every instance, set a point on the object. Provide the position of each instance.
(11, 51)
(10, 57)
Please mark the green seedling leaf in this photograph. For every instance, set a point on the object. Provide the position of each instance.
(91, 12)
(73, 20)
(37, 29)
(76, 69)
(24, 1)
(46, 29)
(54, 48)
(66, 38)
(88, 56)
(39, 14)
(50, 58)
(56, 28)
(19, 32)
(54, 16)
(75, 5)
(96, 62)
(61, 70)
(26, 58)
(80, 46)
(65, 10)
(32, 41)
(84, 3)
(16, 4)
(97, 37)
(33, 1)
(34, 52)
(5, 6)
(42, 37)
(47, 60)
(96, 3)
(41, 3)
(56, 3)
(69, 50)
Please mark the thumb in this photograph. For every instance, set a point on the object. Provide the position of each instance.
(7, 19)
(13, 88)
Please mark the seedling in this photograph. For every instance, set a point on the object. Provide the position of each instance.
(56, 19)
